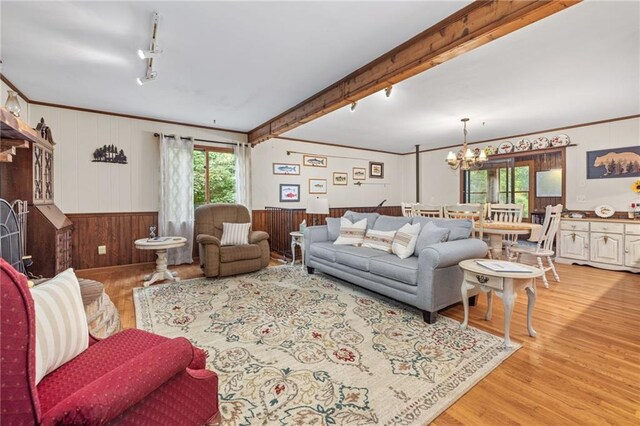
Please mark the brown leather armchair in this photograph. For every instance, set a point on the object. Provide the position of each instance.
(221, 261)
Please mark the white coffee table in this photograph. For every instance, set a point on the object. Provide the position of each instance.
(160, 245)
(505, 285)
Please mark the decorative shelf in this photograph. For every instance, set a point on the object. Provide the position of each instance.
(529, 152)
(13, 128)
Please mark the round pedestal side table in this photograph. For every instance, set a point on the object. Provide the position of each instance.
(160, 245)
(297, 239)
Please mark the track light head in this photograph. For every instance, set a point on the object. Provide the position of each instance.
(387, 91)
(353, 106)
(148, 54)
(147, 78)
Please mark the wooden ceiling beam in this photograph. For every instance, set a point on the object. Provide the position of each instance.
(475, 25)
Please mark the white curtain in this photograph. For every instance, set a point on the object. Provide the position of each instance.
(175, 217)
(243, 174)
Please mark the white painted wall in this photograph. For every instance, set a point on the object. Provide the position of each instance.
(441, 185)
(82, 186)
(265, 185)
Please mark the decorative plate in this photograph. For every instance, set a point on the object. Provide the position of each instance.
(523, 145)
(605, 211)
(490, 150)
(476, 151)
(505, 147)
(541, 143)
(560, 140)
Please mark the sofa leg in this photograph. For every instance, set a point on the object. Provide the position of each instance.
(429, 317)
(473, 300)
(310, 270)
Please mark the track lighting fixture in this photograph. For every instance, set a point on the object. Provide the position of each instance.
(387, 91)
(148, 54)
(353, 106)
(147, 78)
(153, 52)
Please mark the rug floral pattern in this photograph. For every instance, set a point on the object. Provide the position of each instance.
(298, 349)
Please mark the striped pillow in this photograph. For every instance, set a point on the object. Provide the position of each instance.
(379, 240)
(405, 240)
(61, 324)
(351, 234)
(235, 234)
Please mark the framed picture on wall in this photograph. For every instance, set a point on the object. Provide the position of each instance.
(314, 161)
(613, 163)
(376, 170)
(286, 169)
(317, 186)
(340, 178)
(359, 173)
(289, 193)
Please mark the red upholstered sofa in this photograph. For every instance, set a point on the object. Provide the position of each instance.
(132, 377)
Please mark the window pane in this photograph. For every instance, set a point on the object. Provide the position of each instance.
(480, 197)
(522, 178)
(503, 197)
(503, 180)
(222, 179)
(523, 198)
(478, 181)
(199, 176)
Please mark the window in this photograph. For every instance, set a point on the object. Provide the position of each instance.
(214, 179)
(521, 187)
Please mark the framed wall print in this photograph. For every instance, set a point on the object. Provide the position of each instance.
(376, 170)
(289, 193)
(340, 178)
(286, 169)
(314, 161)
(613, 163)
(317, 186)
(359, 173)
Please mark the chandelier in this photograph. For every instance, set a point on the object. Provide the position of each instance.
(466, 158)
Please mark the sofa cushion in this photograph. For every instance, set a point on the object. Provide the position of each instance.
(351, 233)
(324, 250)
(356, 216)
(391, 223)
(333, 228)
(379, 240)
(404, 242)
(459, 229)
(391, 266)
(357, 257)
(430, 234)
(235, 253)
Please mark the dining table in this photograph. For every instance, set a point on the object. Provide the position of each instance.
(498, 230)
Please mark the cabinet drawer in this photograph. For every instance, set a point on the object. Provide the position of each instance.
(574, 225)
(616, 228)
(632, 228)
(484, 279)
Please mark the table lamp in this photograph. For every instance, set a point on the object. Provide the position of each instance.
(317, 205)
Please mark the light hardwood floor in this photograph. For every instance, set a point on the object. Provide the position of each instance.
(583, 368)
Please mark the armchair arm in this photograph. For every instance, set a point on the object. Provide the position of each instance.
(207, 239)
(123, 387)
(256, 236)
(451, 253)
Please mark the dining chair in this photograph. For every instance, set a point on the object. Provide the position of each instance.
(407, 209)
(475, 212)
(427, 211)
(511, 213)
(544, 247)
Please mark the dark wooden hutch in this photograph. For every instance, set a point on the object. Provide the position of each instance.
(26, 173)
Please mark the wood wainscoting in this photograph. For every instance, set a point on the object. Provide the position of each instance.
(117, 231)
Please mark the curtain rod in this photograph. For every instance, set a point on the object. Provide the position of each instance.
(203, 140)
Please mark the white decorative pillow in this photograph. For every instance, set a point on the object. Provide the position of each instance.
(405, 240)
(379, 240)
(351, 234)
(235, 234)
(61, 324)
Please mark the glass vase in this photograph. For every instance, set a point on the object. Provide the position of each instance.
(12, 104)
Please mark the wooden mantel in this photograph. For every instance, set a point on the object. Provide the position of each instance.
(475, 25)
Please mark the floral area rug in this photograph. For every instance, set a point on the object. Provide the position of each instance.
(298, 349)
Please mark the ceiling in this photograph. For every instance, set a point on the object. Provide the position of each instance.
(577, 66)
(239, 63)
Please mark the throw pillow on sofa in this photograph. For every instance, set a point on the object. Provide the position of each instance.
(430, 234)
(351, 234)
(61, 324)
(404, 243)
(379, 240)
(333, 228)
(357, 217)
(235, 234)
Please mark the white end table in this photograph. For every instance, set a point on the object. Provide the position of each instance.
(160, 245)
(297, 239)
(505, 285)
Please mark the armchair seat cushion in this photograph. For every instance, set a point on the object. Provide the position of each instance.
(235, 253)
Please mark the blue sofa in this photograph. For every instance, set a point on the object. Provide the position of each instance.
(429, 280)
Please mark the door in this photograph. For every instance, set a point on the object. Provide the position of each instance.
(632, 251)
(574, 245)
(606, 248)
